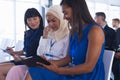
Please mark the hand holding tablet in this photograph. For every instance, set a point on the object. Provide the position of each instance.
(31, 61)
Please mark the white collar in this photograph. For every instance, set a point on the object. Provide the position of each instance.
(104, 26)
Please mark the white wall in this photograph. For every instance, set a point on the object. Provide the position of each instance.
(110, 7)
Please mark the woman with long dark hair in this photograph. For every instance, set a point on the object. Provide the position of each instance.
(86, 48)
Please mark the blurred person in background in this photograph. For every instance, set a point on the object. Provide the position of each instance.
(100, 18)
(116, 61)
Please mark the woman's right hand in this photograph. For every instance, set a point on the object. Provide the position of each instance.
(11, 51)
(17, 58)
(46, 31)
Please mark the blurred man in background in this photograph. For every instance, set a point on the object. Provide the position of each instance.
(116, 61)
(109, 32)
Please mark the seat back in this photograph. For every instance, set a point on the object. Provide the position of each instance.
(108, 60)
(19, 45)
(6, 42)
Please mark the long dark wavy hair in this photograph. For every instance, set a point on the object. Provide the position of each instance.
(80, 15)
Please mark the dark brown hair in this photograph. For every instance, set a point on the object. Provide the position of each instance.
(80, 15)
(32, 12)
(101, 14)
(116, 19)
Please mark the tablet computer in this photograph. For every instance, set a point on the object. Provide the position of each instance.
(31, 61)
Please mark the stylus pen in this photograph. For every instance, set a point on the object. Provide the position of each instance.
(6, 49)
(11, 47)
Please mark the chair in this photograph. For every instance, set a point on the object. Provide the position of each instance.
(108, 60)
(19, 45)
(4, 43)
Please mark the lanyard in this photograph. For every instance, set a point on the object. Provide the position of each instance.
(50, 56)
(51, 44)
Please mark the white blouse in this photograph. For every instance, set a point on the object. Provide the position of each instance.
(52, 49)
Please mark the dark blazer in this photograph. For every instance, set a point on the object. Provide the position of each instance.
(109, 38)
(117, 40)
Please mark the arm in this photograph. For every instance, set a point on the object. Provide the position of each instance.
(15, 54)
(43, 46)
(62, 62)
(18, 52)
(12, 52)
(96, 39)
(44, 41)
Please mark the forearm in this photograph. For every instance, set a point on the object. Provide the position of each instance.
(43, 46)
(76, 70)
(18, 52)
(63, 61)
(93, 52)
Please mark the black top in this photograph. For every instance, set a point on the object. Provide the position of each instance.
(117, 40)
(31, 41)
(109, 38)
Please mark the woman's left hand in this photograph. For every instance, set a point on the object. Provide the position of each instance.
(53, 67)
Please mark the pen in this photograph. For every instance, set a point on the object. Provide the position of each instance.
(7, 50)
(12, 47)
